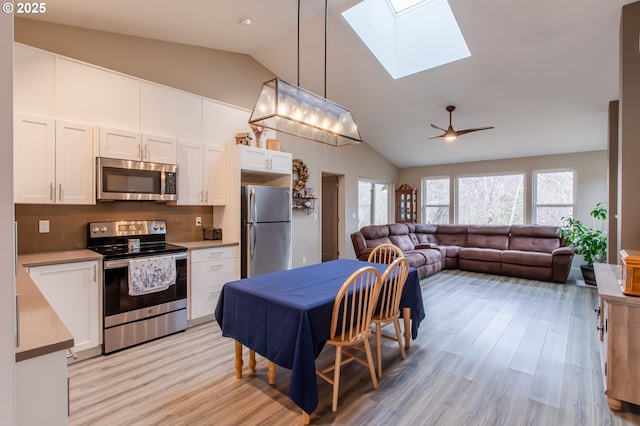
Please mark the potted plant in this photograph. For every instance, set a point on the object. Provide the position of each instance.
(591, 243)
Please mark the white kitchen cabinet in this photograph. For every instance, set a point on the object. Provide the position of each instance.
(33, 81)
(42, 396)
(126, 145)
(170, 112)
(201, 174)
(264, 160)
(53, 161)
(90, 94)
(211, 269)
(72, 290)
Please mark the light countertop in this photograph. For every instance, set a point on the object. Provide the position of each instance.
(204, 244)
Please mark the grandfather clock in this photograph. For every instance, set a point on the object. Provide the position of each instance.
(405, 204)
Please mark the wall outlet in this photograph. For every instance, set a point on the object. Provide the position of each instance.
(43, 226)
(304, 260)
(198, 221)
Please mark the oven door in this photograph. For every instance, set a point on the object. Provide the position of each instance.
(117, 300)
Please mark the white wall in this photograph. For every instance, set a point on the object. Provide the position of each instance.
(7, 250)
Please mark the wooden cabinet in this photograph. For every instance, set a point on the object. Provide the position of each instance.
(73, 290)
(53, 161)
(265, 161)
(201, 174)
(619, 333)
(405, 204)
(211, 269)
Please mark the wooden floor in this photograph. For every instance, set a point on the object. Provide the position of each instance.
(491, 351)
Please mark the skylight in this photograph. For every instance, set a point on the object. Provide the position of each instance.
(424, 36)
(402, 5)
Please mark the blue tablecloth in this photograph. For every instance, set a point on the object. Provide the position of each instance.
(286, 316)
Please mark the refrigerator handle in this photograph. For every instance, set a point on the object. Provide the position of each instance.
(252, 236)
(253, 208)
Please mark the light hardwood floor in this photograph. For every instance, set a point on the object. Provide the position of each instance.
(491, 351)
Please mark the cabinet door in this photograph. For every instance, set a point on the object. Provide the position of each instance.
(34, 159)
(214, 175)
(75, 165)
(190, 173)
(33, 81)
(280, 162)
(252, 158)
(120, 144)
(72, 291)
(157, 149)
(207, 280)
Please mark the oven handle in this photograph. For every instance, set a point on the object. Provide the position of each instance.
(124, 263)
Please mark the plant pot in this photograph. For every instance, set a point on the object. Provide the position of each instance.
(588, 274)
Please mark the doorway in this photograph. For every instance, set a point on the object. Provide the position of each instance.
(332, 231)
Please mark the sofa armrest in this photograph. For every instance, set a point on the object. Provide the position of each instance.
(364, 254)
(426, 246)
(563, 250)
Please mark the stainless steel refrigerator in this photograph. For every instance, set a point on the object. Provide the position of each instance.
(266, 230)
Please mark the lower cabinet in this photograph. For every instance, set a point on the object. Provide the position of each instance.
(211, 268)
(42, 393)
(72, 290)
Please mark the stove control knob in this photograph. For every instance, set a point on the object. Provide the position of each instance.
(162, 227)
(95, 230)
(103, 229)
(155, 227)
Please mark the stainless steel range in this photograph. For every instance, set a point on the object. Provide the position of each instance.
(141, 298)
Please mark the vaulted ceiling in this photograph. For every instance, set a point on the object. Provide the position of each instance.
(542, 73)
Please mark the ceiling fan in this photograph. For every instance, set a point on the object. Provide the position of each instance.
(450, 134)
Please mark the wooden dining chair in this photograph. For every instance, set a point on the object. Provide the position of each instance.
(385, 253)
(388, 306)
(351, 325)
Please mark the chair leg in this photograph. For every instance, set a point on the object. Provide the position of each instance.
(372, 370)
(396, 325)
(336, 378)
(379, 347)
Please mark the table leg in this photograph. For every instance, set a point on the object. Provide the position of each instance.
(252, 360)
(271, 375)
(406, 313)
(305, 418)
(238, 362)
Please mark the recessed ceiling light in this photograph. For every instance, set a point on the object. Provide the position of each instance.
(244, 21)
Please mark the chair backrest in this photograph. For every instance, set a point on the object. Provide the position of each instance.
(385, 253)
(354, 305)
(391, 285)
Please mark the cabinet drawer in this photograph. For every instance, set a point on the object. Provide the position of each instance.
(213, 274)
(214, 253)
(203, 302)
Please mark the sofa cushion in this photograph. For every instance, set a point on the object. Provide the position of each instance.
(403, 242)
(535, 238)
(530, 258)
(449, 251)
(429, 256)
(484, 254)
(494, 237)
(415, 258)
(424, 233)
(451, 235)
(375, 235)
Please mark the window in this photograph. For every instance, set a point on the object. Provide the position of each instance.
(553, 196)
(373, 202)
(435, 207)
(494, 200)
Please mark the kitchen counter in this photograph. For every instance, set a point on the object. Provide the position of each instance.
(192, 245)
(41, 330)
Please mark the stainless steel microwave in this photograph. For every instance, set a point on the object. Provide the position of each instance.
(135, 180)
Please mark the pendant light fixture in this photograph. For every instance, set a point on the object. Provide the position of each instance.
(290, 109)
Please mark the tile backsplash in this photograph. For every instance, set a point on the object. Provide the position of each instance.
(68, 224)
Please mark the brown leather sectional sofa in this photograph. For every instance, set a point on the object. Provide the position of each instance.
(526, 251)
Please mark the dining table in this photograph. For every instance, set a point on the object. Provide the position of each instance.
(285, 317)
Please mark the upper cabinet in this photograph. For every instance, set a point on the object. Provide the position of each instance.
(201, 174)
(220, 122)
(33, 81)
(125, 145)
(170, 112)
(89, 94)
(53, 161)
(263, 160)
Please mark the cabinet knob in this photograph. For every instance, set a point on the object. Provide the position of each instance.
(597, 311)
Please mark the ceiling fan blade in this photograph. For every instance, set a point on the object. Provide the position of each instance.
(436, 137)
(465, 131)
(439, 128)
